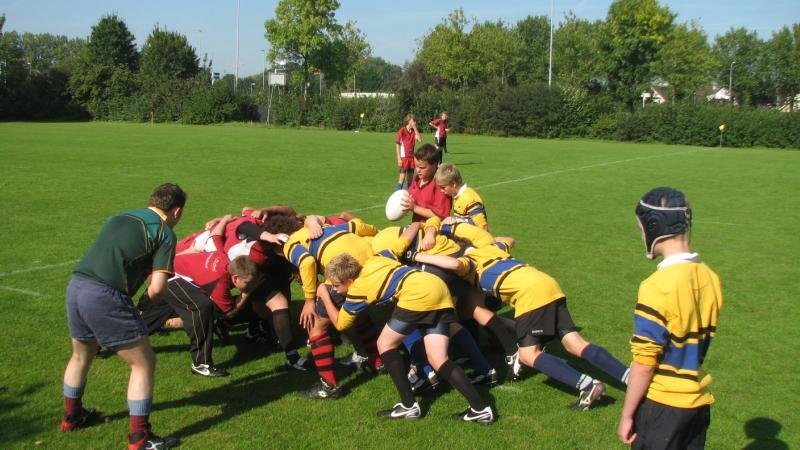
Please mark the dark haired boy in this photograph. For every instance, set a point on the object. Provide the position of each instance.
(427, 200)
(667, 403)
(100, 311)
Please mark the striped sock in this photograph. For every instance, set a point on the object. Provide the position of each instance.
(322, 353)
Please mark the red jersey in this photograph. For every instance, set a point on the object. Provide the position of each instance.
(243, 233)
(209, 271)
(407, 140)
(441, 127)
(429, 196)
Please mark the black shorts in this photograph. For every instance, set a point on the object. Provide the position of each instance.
(405, 322)
(277, 276)
(337, 298)
(662, 426)
(541, 325)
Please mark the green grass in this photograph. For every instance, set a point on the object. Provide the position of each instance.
(569, 203)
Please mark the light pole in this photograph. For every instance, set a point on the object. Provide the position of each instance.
(550, 66)
(264, 70)
(730, 82)
(236, 78)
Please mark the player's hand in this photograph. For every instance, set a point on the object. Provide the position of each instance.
(279, 238)
(625, 431)
(408, 203)
(307, 315)
(314, 230)
(399, 163)
(211, 224)
(428, 241)
(449, 220)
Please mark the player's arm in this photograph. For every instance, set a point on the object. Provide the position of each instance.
(158, 284)
(325, 297)
(313, 224)
(638, 383)
(361, 228)
(445, 262)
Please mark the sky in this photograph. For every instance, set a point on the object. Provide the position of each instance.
(393, 32)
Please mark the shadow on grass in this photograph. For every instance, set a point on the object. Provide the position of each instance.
(233, 399)
(20, 425)
(764, 433)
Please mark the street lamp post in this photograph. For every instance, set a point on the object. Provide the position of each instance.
(730, 82)
(264, 71)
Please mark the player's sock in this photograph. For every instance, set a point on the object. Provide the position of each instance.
(368, 335)
(496, 326)
(322, 352)
(453, 374)
(398, 371)
(139, 411)
(558, 370)
(399, 186)
(72, 400)
(464, 340)
(283, 329)
(605, 361)
(416, 350)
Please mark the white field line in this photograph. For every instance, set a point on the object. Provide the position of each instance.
(37, 268)
(23, 291)
(560, 171)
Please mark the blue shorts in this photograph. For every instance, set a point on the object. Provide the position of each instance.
(98, 312)
(337, 298)
(406, 322)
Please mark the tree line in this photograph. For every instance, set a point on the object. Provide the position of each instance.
(497, 75)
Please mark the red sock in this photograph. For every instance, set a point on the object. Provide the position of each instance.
(139, 424)
(72, 406)
(322, 352)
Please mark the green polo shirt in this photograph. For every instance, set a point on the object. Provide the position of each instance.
(130, 246)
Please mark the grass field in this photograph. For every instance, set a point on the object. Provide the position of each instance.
(569, 204)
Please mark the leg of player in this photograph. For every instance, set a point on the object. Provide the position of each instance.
(595, 355)
(388, 343)
(75, 415)
(279, 306)
(590, 389)
(423, 378)
(484, 373)
(436, 344)
(140, 357)
(322, 352)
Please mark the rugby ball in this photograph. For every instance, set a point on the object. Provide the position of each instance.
(394, 205)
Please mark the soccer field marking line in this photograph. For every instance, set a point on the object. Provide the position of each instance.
(23, 291)
(507, 387)
(590, 166)
(560, 171)
(37, 268)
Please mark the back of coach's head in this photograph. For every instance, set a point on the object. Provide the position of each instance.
(168, 196)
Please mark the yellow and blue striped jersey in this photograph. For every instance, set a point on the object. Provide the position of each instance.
(490, 266)
(674, 322)
(383, 279)
(387, 239)
(468, 208)
(310, 256)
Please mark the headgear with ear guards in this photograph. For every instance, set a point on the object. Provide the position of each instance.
(663, 212)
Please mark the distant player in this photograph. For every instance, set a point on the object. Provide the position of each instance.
(668, 404)
(540, 311)
(407, 137)
(440, 135)
(467, 204)
(130, 247)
